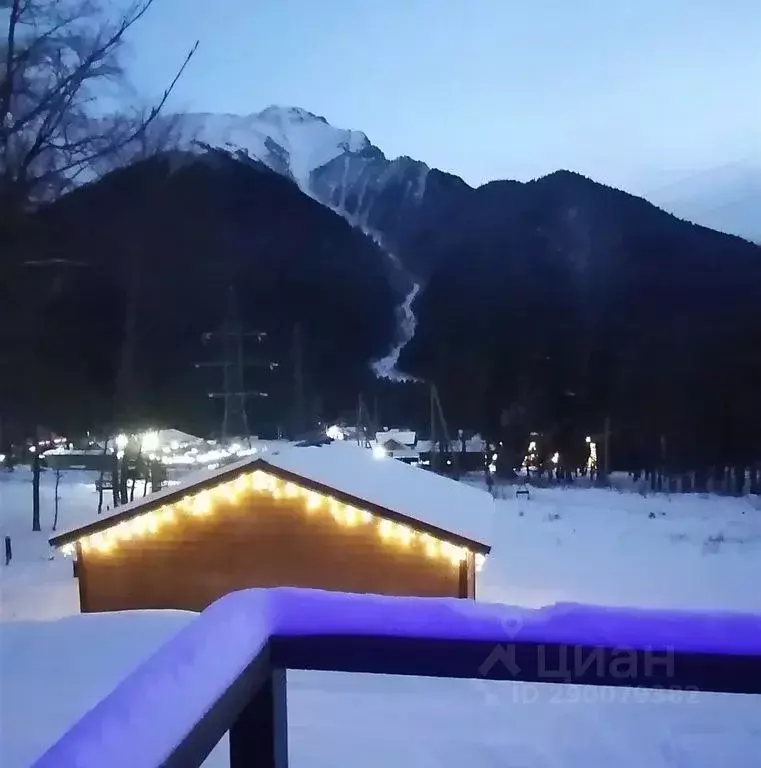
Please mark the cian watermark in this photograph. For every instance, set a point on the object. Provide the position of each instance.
(577, 664)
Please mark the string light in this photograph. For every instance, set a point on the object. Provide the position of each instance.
(139, 525)
(229, 492)
(404, 534)
(202, 504)
(122, 532)
(386, 529)
(259, 481)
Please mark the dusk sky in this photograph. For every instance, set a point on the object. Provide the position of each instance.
(631, 92)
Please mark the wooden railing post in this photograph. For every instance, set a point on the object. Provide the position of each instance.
(259, 737)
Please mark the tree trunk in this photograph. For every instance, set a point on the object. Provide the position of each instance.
(755, 480)
(115, 480)
(123, 488)
(36, 493)
(739, 478)
(156, 475)
(101, 478)
(57, 483)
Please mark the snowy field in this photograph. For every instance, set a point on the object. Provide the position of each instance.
(591, 546)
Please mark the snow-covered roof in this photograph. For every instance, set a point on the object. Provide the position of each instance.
(192, 481)
(348, 470)
(396, 447)
(410, 491)
(169, 436)
(404, 436)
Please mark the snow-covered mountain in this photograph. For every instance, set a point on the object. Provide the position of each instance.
(289, 140)
(340, 168)
(337, 166)
(344, 170)
(727, 198)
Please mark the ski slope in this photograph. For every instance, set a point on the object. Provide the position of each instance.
(588, 545)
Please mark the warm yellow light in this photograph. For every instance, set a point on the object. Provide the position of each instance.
(457, 554)
(122, 532)
(335, 509)
(240, 484)
(101, 542)
(430, 544)
(202, 504)
(404, 534)
(314, 500)
(140, 525)
(151, 523)
(259, 480)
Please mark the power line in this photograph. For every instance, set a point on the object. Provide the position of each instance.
(233, 364)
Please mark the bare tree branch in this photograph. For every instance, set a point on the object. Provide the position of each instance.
(59, 57)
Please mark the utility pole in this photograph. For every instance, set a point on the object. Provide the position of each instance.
(233, 364)
(434, 450)
(366, 430)
(440, 432)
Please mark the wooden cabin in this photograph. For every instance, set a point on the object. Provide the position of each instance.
(332, 517)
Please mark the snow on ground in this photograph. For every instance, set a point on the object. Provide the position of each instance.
(600, 546)
(582, 545)
(39, 584)
(53, 672)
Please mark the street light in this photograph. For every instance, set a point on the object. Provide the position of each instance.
(149, 442)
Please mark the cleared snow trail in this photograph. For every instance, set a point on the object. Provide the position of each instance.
(386, 367)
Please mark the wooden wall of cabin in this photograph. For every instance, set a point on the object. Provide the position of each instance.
(259, 542)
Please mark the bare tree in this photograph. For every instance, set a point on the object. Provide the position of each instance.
(61, 63)
(67, 114)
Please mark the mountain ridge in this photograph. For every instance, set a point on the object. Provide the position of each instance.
(562, 300)
(343, 169)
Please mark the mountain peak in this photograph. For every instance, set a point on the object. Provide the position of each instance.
(278, 112)
(290, 140)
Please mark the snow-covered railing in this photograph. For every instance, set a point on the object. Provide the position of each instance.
(226, 670)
